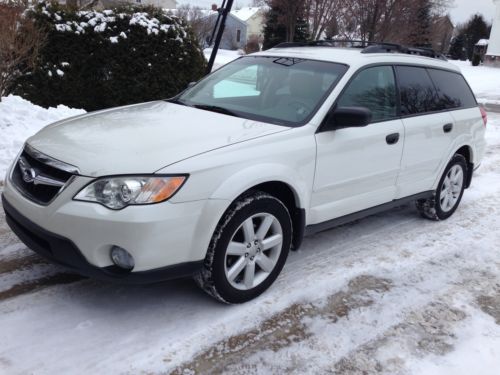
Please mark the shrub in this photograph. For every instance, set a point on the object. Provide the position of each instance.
(253, 45)
(20, 41)
(96, 60)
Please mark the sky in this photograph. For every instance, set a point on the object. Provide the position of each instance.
(460, 12)
(463, 9)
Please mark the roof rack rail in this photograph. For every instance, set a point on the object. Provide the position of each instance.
(397, 48)
(352, 43)
(368, 47)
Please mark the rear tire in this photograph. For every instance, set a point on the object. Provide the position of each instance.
(248, 249)
(449, 191)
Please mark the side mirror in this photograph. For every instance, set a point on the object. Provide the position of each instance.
(348, 117)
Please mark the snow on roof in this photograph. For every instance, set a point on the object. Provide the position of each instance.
(482, 42)
(246, 13)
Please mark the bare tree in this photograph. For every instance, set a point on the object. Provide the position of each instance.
(323, 14)
(390, 20)
(20, 43)
(198, 18)
(398, 21)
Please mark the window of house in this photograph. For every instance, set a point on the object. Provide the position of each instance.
(238, 36)
(375, 89)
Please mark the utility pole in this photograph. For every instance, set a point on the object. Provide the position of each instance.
(220, 25)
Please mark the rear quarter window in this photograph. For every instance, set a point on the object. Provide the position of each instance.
(453, 90)
(417, 91)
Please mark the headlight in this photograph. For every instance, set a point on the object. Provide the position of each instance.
(119, 192)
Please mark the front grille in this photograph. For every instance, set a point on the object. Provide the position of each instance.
(37, 176)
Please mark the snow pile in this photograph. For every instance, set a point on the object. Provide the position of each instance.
(224, 56)
(19, 119)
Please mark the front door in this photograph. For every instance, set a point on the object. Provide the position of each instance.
(357, 168)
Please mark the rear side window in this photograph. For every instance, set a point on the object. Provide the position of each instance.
(418, 94)
(375, 89)
(452, 89)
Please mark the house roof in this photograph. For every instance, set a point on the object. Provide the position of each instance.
(246, 13)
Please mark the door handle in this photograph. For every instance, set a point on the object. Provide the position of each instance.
(448, 128)
(392, 139)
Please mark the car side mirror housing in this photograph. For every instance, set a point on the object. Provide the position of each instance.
(348, 117)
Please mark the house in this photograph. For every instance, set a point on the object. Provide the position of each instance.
(255, 18)
(493, 54)
(441, 33)
(235, 32)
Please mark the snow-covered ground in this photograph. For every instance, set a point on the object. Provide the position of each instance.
(19, 119)
(224, 56)
(391, 294)
(484, 81)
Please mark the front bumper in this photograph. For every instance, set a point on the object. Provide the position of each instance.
(167, 240)
(63, 251)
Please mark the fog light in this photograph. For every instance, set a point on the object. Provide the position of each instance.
(122, 258)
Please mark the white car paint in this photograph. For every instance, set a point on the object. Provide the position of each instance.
(331, 173)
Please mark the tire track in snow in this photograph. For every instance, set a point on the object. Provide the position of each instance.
(38, 284)
(16, 263)
(284, 328)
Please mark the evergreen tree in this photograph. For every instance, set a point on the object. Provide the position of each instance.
(275, 30)
(476, 29)
(457, 47)
(420, 36)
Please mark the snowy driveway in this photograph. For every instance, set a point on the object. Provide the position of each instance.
(389, 294)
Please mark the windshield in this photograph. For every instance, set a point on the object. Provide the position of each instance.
(285, 91)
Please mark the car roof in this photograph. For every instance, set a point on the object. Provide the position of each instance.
(355, 58)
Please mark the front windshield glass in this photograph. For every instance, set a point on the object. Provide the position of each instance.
(285, 91)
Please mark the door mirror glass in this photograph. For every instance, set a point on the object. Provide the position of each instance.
(349, 117)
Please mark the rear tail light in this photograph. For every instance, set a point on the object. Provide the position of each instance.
(484, 115)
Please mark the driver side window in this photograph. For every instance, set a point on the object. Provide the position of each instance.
(375, 89)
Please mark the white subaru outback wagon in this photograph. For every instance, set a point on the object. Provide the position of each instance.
(220, 182)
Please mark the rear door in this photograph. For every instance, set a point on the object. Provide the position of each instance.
(357, 168)
(456, 95)
(429, 130)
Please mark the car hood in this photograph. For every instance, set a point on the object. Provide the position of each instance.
(142, 138)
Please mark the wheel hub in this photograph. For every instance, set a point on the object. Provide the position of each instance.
(249, 262)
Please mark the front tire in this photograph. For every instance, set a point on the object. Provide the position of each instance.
(449, 191)
(248, 249)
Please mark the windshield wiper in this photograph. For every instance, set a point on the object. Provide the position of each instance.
(214, 108)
